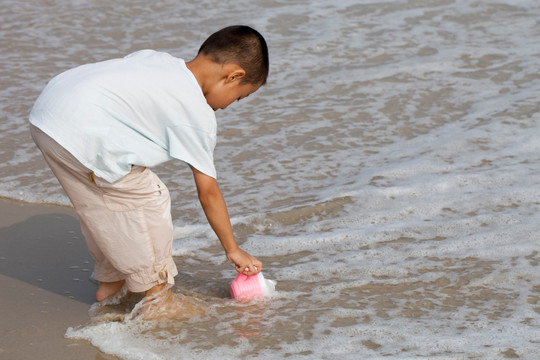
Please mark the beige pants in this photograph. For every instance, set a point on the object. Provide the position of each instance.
(127, 224)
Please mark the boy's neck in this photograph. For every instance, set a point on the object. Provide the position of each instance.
(210, 73)
(204, 71)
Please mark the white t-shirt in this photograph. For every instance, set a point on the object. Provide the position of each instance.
(143, 109)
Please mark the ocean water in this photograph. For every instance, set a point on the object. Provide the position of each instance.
(388, 175)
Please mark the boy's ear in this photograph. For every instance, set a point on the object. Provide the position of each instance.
(234, 72)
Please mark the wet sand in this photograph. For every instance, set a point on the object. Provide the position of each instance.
(44, 277)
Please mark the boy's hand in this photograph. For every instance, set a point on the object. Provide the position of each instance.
(244, 262)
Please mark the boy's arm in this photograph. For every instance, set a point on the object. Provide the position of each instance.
(215, 209)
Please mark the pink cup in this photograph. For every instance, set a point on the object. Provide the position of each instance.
(251, 287)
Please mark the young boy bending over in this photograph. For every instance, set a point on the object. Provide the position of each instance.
(101, 126)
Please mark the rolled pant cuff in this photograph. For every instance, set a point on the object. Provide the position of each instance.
(164, 272)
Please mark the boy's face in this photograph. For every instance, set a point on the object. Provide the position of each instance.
(224, 94)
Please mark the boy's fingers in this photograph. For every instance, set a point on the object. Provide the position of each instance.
(249, 269)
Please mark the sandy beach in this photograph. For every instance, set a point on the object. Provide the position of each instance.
(44, 270)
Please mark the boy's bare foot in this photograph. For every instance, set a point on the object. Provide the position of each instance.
(107, 289)
(161, 303)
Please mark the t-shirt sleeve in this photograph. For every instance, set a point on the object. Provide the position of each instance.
(193, 146)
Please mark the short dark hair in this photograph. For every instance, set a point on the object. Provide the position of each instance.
(241, 45)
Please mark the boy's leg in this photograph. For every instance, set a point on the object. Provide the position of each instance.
(127, 224)
(73, 177)
(137, 234)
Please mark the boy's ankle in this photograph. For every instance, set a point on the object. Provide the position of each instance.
(108, 289)
(155, 289)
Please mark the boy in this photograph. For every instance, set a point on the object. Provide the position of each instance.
(100, 126)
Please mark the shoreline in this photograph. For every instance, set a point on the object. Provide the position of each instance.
(44, 277)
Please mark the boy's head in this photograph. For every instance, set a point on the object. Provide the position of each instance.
(241, 45)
